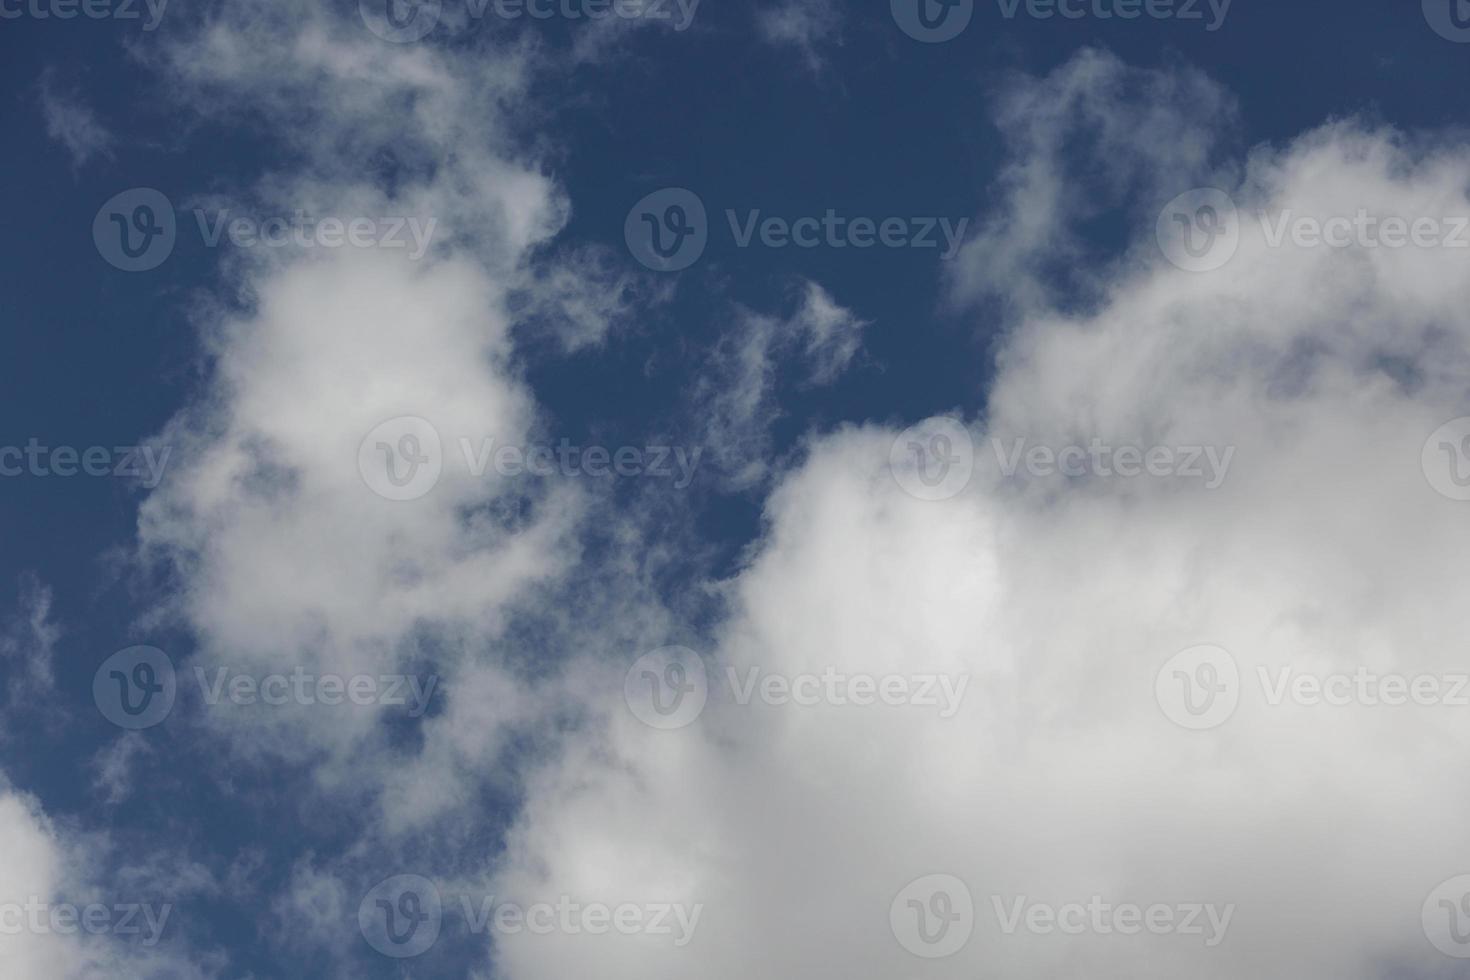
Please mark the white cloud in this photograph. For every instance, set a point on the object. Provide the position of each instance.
(737, 397)
(1325, 549)
(1142, 128)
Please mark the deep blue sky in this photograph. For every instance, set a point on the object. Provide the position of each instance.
(90, 355)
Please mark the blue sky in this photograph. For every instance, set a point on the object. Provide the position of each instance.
(767, 396)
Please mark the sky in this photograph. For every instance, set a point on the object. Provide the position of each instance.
(518, 489)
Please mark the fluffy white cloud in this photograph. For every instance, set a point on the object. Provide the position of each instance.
(1324, 550)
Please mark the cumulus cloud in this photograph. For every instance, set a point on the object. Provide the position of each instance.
(1324, 829)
